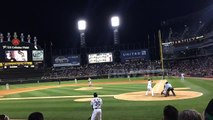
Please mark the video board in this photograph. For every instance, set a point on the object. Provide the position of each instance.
(17, 54)
(100, 58)
(38, 55)
(67, 60)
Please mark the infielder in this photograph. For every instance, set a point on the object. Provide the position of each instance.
(76, 81)
(149, 87)
(90, 82)
(7, 86)
(182, 76)
(96, 104)
(128, 76)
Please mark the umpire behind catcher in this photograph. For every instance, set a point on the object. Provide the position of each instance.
(168, 88)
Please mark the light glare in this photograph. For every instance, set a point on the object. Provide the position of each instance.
(115, 21)
(81, 25)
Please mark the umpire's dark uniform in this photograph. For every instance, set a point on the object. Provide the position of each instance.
(169, 88)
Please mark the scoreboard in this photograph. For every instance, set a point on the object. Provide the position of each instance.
(100, 58)
(17, 53)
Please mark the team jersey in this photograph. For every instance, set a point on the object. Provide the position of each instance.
(149, 85)
(96, 103)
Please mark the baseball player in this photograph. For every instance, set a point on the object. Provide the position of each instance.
(182, 76)
(96, 104)
(167, 88)
(128, 76)
(7, 86)
(59, 81)
(76, 81)
(90, 82)
(149, 87)
(164, 91)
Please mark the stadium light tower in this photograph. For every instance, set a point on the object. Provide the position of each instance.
(115, 22)
(82, 28)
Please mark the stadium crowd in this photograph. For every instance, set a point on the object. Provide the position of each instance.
(103, 69)
(197, 67)
(171, 113)
(194, 67)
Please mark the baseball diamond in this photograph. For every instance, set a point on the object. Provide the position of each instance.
(124, 92)
(134, 96)
(106, 60)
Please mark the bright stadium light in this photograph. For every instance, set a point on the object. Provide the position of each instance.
(82, 25)
(115, 24)
(115, 21)
(82, 28)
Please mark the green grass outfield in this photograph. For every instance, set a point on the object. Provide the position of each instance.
(113, 109)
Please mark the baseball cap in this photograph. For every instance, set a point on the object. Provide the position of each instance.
(95, 94)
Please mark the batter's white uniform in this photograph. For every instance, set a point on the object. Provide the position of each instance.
(149, 87)
(96, 104)
(90, 81)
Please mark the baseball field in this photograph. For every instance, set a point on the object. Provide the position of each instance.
(122, 99)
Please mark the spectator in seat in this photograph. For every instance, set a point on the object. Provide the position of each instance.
(189, 115)
(170, 113)
(36, 116)
(4, 117)
(208, 114)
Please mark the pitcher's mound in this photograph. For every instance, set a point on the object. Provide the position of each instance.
(89, 88)
(140, 96)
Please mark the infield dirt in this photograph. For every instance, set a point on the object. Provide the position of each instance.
(131, 96)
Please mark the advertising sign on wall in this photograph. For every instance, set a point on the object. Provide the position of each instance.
(61, 61)
(134, 54)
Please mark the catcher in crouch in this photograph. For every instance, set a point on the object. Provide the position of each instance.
(167, 88)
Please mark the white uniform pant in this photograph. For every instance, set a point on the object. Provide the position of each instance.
(90, 83)
(149, 89)
(96, 114)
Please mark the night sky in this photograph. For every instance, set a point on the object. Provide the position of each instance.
(56, 20)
